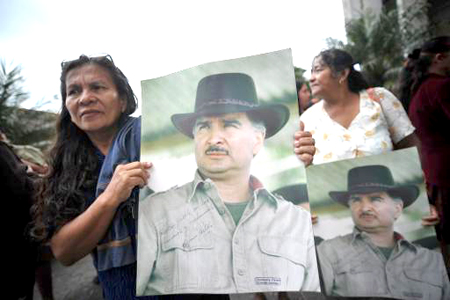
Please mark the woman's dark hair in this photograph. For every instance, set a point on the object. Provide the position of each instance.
(73, 160)
(298, 84)
(416, 67)
(338, 60)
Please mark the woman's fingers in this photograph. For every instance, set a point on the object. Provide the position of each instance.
(304, 145)
(128, 176)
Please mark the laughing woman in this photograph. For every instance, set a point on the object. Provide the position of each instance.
(86, 201)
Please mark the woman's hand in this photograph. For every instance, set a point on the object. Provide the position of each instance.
(432, 219)
(125, 178)
(80, 236)
(314, 217)
(304, 145)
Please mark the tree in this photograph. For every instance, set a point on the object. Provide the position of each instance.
(415, 26)
(12, 94)
(22, 126)
(379, 43)
(299, 74)
(373, 41)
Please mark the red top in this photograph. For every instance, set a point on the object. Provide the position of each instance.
(429, 112)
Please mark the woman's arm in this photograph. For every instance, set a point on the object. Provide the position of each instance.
(408, 141)
(80, 236)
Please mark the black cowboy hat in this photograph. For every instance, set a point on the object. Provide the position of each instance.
(295, 193)
(231, 93)
(371, 179)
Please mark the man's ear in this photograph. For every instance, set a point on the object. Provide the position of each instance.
(259, 141)
(398, 208)
(439, 57)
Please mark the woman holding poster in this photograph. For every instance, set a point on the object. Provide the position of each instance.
(351, 120)
(86, 201)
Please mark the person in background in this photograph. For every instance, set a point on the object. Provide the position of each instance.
(351, 120)
(403, 85)
(34, 161)
(20, 251)
(426, 88)
(303, 95)
(86, 201)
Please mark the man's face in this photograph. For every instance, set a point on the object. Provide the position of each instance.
(374, 212)
(226, 144)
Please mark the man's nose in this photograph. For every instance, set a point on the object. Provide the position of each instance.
(366, 205)
(216, 135)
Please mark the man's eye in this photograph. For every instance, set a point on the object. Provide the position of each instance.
(231, 124)
(202, 126)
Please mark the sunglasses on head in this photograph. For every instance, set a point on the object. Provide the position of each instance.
(96, 57)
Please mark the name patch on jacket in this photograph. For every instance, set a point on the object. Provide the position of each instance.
(267, 281)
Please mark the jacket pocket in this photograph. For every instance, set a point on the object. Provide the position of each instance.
(287, 248)
(283, 262)
(423, 284)
(187, 263)
(357, 277)
(190, 244)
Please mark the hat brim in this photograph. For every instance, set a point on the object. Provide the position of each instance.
(296, 193)
(408, 193)
(274, 116)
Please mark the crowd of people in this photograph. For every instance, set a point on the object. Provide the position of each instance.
(84, 201)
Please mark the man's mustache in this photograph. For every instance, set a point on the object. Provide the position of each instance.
(216, 149)
(366, 213)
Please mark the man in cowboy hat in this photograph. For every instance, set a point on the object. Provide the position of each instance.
(224, 232)
(374, 260)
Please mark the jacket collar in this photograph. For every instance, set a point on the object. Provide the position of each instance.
(398, 238)
(255, 184)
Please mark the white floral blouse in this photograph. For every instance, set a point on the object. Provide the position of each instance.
(381, 122)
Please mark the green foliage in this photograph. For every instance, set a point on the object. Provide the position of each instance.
(373, 41)
(379, 42)
(11, 96)
(22, 126)
(414, 34)
(299, 74)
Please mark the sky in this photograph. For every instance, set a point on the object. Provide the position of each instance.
(150, 39)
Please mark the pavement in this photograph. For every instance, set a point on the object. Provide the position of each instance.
(74, 282)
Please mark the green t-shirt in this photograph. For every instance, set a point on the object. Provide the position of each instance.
(386, 251)
(236, 209)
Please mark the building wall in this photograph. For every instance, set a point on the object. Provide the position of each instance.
(435, 15)
(353, 9)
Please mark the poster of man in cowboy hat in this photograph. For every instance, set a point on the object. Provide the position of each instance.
(375, 245)
(220, 230)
